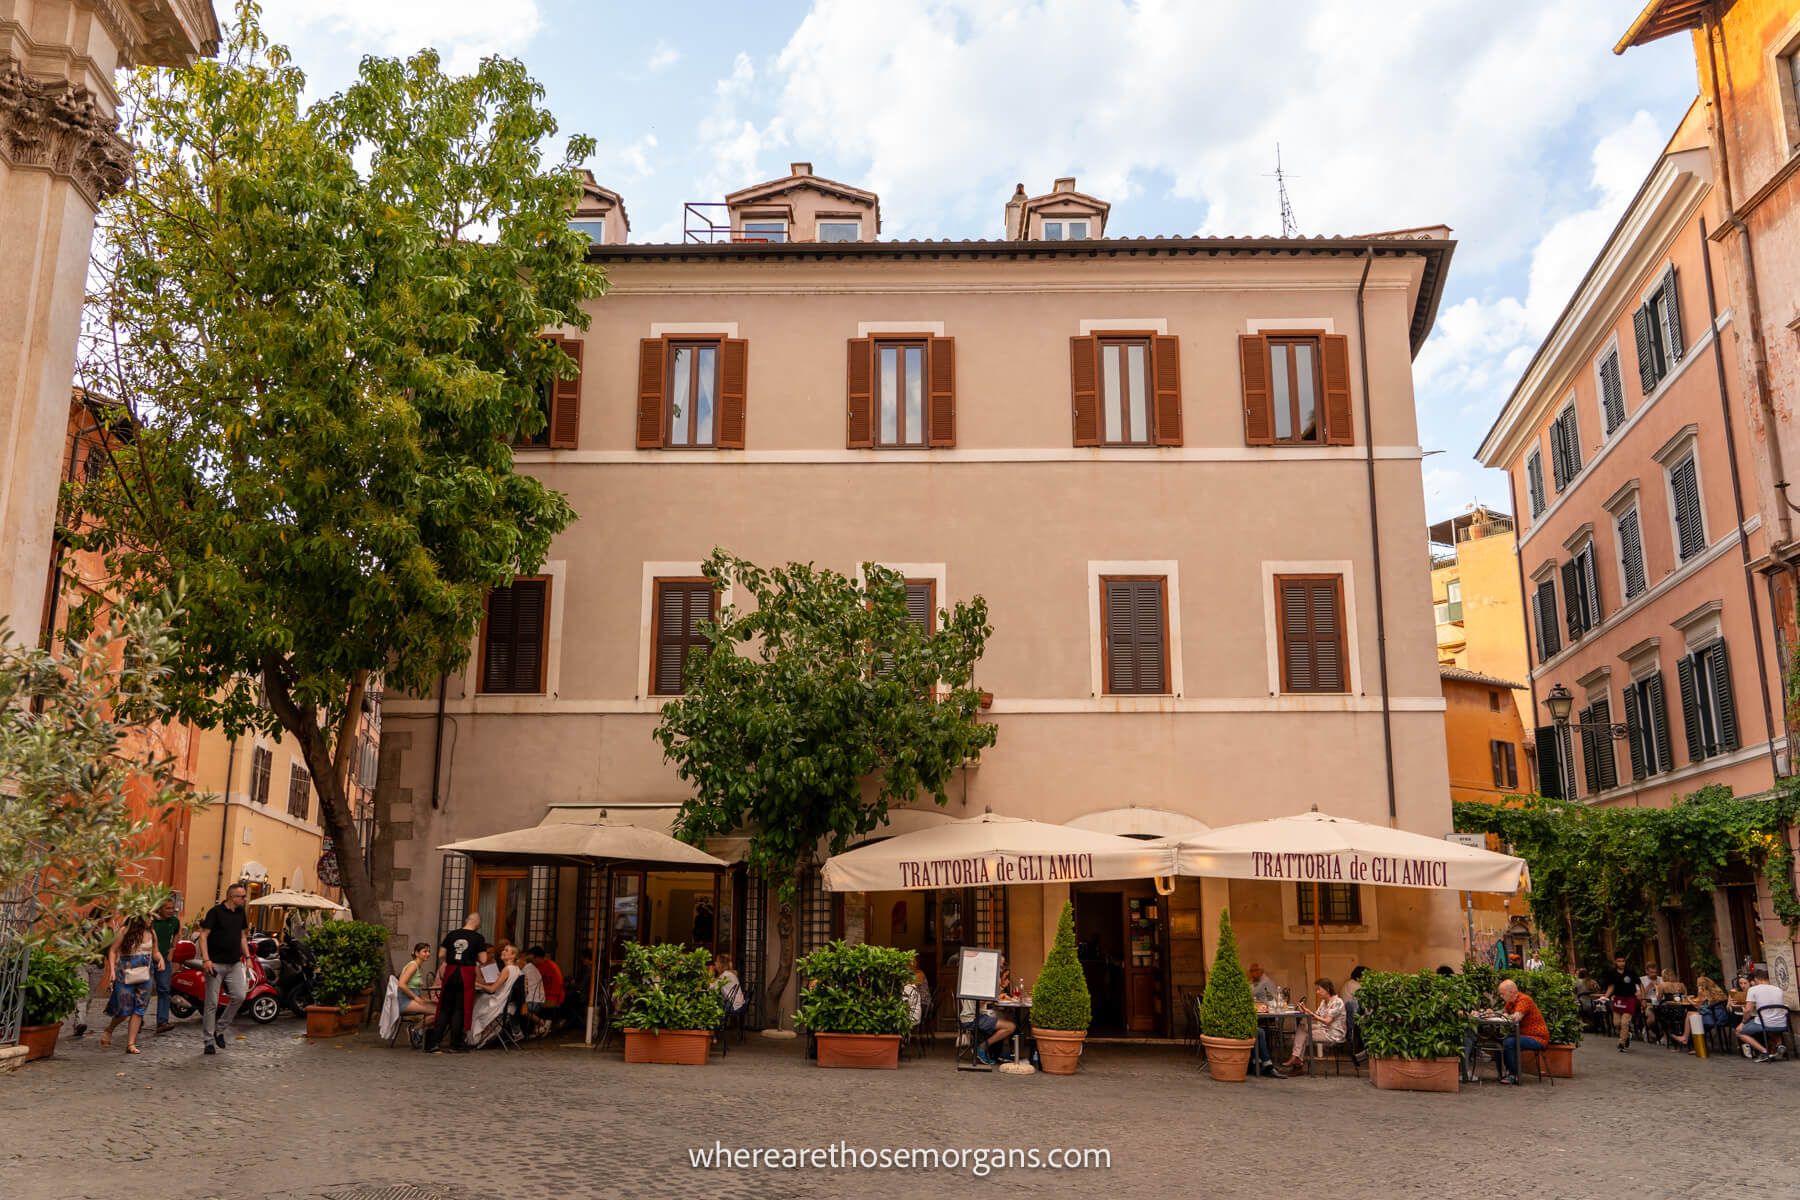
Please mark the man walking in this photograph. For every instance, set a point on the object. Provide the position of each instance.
(456, 1002)
(223, 949)
(165, 925)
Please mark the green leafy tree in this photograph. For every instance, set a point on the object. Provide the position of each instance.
(1227, 1007)
(84, 771)
(817, 705)
(1061, 1000)
(325, 321)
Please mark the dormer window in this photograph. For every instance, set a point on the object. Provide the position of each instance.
(765, 230)
(593, 227)
(1060, 231)
(840, 231)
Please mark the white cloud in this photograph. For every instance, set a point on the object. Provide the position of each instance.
(463, 31)
(662, 57)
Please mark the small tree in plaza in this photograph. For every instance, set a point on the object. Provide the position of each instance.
(1227, 1007)
(325, 321)
(818, 703)
(1061, 999)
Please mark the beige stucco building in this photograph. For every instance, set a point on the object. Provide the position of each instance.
(59, 155)
(1183, 472)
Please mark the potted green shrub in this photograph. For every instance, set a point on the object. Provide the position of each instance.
(1414, 1027)
(1554, 993)
(350, 957)
(1061, 1009)
(1227, 1011)
(52, 988)
(854, 1003)
(668, 1005)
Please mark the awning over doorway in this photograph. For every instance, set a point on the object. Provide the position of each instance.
(586, 835)
(991, 849)
(1315, 847)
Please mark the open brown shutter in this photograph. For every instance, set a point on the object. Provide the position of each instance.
(565, 401)
(734, 372)
(1084, 389)
(1148, 600)
(1259, 412)
(1165, 358)
(859, 404)
(1335, 359)
(650, 393)
(940, 423)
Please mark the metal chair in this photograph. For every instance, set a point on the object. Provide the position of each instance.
(736, 1006)
(1778, 1040)
(968, 1036)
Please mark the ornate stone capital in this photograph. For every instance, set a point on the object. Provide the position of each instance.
(55, 126)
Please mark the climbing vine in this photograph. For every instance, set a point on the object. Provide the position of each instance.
(1600, 869)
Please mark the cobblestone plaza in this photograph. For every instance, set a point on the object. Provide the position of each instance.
(351, 1119)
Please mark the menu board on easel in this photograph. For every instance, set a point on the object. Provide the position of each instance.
(978, 974)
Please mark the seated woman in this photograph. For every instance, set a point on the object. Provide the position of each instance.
(416, 991)
(1714, 1012)
(1329, 1025)
(726, 983)
(916, 992)
(492, 997)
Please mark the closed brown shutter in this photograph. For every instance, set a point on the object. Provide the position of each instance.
(1335, 358)
(921, 603)
(940, 423)
(859, 404)
(1166, 372)
(734, 377)
(650, 393)
(565, 401)
(1084, 389)
(512, 651)
(681, 605)
(1310, 609)
(1259, 412)
(1136, 650)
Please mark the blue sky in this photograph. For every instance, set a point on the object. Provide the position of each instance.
(1512, 123)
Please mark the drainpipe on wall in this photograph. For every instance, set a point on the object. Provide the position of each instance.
(1387, 708)
(1737, 498)
(225, 819)
(437, 741)
(1512, 496)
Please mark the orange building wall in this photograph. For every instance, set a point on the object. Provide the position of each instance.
(1470, 725)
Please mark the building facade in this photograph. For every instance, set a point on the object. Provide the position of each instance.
(1184, 474)
(60, 153)
(1625, 444)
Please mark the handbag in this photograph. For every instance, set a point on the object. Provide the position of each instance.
(133, 976)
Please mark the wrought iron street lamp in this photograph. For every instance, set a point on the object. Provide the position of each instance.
(1561, 702)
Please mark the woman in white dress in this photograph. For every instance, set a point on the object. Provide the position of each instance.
(490, 1003)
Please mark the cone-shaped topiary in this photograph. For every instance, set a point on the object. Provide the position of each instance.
(1227, 1009)
(1061, 1000)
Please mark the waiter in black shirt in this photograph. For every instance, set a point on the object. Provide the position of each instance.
(1621, 984)
(458, 952)
(224, 946)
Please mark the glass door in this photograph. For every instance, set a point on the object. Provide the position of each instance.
(503, 898)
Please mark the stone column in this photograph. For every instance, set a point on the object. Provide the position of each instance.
(60, 156)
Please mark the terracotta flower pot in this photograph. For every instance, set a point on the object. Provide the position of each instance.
(1227, 1059)
(1416, 1074)
(871, 1050)
(39, 1040)
(672, 1047)
(1559, 1060)
(323, 1021)
(1059, 1050)
(350, 1019)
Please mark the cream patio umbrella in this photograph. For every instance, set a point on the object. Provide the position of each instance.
(991, 849)
(1315, 847)
(288, 898)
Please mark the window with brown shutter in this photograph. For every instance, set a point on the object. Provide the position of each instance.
(1134, 635)
(1296, 389)
(921, 603)
(559, 400)
(1312, 640)
(299, 791)
(680, 605)
(1126, 389)
(262, 765)
(692, 393)
(900, 393)
(515, 638)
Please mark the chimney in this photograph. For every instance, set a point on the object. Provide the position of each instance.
(1015, 215)
(799, 168)
(1065, 184)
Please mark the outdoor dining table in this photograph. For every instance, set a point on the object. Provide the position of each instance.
(1490, 1030)
(1020, 1007)
(1280, 1024)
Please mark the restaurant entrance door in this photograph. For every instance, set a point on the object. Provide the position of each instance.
(1122, 940)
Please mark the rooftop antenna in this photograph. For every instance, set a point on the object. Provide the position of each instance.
(1289, 228)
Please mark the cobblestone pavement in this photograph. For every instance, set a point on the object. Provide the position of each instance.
(351, 1119)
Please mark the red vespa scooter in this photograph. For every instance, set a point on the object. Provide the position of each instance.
(187, 989)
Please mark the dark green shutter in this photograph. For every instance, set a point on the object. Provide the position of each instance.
(1631, 553)
(1689, 528)
(1590, 588)
(1572, 606)
(1634, 732)
(1659, 721)
(1690, 708)
(1724, 704)
(1672, 315)
(1646, 350)
(1550, 780)
(1590, 754)
(1534, 481)
(1606, 769)
(1559, 457)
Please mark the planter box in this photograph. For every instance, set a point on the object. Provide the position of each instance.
(1059, 1051)
(879, 1051)
(1227, 1059)
(323, 1021)
(672, 1047)
(351, 1018)
(1416, 1074)
(1559, 1060)
(39, 1040)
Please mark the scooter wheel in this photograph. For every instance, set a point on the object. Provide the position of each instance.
(265, 1009)
(181, 1007)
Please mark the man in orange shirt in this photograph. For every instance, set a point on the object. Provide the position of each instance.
(1532, 1033)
